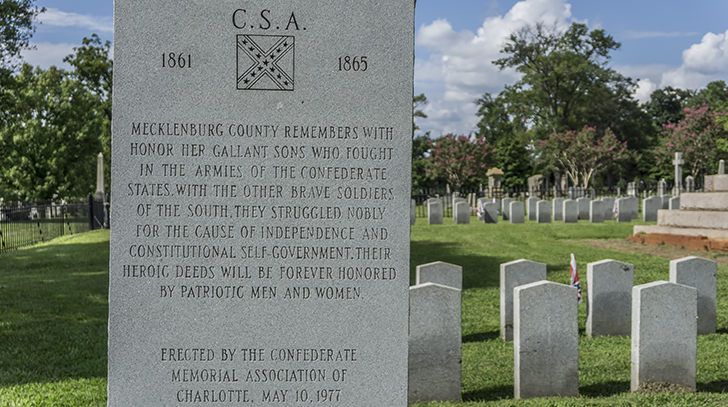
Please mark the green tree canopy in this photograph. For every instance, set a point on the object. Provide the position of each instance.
(17, 26)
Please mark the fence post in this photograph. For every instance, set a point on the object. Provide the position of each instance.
(90, 212)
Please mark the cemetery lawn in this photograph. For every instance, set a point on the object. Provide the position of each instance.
(53, 312)
(604, 362)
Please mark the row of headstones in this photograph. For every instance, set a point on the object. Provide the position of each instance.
(543, 211)
(541, 317)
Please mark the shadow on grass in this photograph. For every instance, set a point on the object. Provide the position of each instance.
(720, 386)
(54, 313)
(489, 394)
(481, 336)
(605, 389)
(478, 270)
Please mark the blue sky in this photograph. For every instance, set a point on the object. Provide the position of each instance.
(664, 42)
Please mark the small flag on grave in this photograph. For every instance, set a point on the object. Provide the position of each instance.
(575, 278)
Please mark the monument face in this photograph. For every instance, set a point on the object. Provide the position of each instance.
(261, 191)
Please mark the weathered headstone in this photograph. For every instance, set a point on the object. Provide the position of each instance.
(631, 189)
(434, 211)
(721, 167)
(435, 343)
(261, 184)
(531, 207)
(462, 213)
(689, 184)
(506, 208)
(703, 275)
(570, 211)
(650, 206)
(664, 334)
(513, 274)
(665, 201)
(490, 212)
(440, 272)
(609, 293)
(661, 187)
(596, 211)
(516, 213)
(557, 206)
(545, 340)
(583, 204)
(608, 208)
(624, 210)
(674, 203)
(455, 202)
(543, 211)
(677, 162)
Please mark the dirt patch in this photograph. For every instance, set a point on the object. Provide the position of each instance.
(649, 387)
(668, 252)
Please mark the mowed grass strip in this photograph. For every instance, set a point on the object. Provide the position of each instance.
(53, 310)
(53, 313)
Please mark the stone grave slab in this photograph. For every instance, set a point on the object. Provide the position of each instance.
(516, 213)
(571, 211)
(596, 211)
(490, 214)
(664, 334)
(513, 274)
(557, 206)
(583, 204)
(435, 343)
(543, 211)
(650, 206)
(531, 207)
(545, 340)
(701, 274)
(609, 293)
(434, 211)
(440, 272)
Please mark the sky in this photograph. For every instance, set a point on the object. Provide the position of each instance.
(664, 43)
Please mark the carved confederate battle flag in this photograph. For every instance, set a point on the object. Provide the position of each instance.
(265, 62)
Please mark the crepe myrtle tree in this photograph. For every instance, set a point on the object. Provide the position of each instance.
(459, 158)
(699, 136)
(582, 154)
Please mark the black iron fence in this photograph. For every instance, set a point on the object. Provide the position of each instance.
(25, 224)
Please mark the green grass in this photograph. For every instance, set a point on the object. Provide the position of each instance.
(53, 310)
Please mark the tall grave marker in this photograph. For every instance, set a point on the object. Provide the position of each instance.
(261, 183)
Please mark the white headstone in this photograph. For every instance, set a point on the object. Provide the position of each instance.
(583, 203)
(609, 293)
(517, 212)
(650, 206)
(490, 214)
(531, 206)
(570, 211)
(545, 340)
(435, 343)
(703, 275)
(543, 211)
(596, 211)
(558, 209)
(506, 207)
(513, 274)
(462, 213)
(440, 272)
(434, 211)
(664, 334)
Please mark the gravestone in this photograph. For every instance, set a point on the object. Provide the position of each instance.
(513, 274)
(261, 184)
(570, 211)
(480, 205)
(674, 203)
(661, 187)
(543, 211)
(608, 208)
(434, 211)
(721, 167)
(435, 343)
(439, 272)
(531, 206)
(609, 293)
(455, 202)
(689, 184)
(650, 206)
(677, 162)
(571, 194)
(557, 206)
(665, 201)
(413, 212)
(596, 211)
(545, 340)
(462, 213)
(633, 204)
(516, 213)
(583, 204)
(631, 189)
(664, 340)
(703, 275)
(506, 208)
(490, 212)
(624, 210)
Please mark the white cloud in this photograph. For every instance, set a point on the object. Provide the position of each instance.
(57, 18)
(47, 54)
(644, 90)
(460, 69)
(702, 63)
